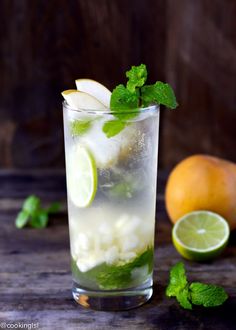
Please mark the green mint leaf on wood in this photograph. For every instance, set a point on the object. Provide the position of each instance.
(80, 127)
(54, 207)
(22, 219)
(178, 280)
(159, 93)
(197, 293)
(113, 127)
(39, 220)
(183, 298)
(137, 76)
(207, 295)
(178, 285)
(33, 215)
(31, 204)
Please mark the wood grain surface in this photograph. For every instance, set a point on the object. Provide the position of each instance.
(45, 45)
(35, 277)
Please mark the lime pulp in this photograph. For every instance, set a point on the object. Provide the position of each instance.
(82, 182)
(200, 235)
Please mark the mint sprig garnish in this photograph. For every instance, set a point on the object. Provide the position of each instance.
(122, 99)
(159, 93)
(33, 215)
(137, 77)
(196, 293)
(127, 101)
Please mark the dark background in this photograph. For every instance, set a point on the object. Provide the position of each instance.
(46, 45)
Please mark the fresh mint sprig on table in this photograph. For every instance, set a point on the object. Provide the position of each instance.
(33, 215)
(196, 293)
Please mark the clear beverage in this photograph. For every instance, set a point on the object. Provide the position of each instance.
(112, 238)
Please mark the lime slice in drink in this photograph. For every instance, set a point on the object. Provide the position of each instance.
(82, 176)
(200, 235)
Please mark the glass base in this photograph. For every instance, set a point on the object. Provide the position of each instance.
(114, 300)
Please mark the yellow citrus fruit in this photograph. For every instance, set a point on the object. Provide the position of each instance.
(202, 182)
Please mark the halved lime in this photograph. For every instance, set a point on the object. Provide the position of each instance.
(200, 235)
(82, 176)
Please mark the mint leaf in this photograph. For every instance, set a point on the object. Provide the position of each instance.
(113, 277)
(122, 100)
(33, 214)
(113, 127)
(137, 76)
(207, 295)
(117, 277)
(39, 220)
(22, 219)
(197, 293)
(80, 127)
(184, 298)
(31, 204)
(127, 102)
(159, 93)
(54, 207)
(178, 280)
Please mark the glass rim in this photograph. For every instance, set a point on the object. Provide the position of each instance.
(150, 108)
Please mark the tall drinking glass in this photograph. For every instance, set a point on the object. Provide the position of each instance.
(111, 188)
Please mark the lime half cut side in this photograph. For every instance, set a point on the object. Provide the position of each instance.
(82, 176)
(200, 235)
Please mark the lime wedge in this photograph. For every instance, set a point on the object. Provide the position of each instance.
(82, 176)
(200, 235)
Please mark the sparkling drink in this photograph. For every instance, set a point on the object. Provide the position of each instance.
(111, 187)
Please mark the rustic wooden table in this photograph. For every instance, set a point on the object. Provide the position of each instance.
(35, 278)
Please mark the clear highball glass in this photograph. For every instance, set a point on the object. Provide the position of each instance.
(111, 189)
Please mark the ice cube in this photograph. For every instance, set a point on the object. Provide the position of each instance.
(111, 255)
(106, 234)
(89, 261)
(127, 256)
(129, 243)
(139, 272)
(105, 150)
(108, 151)
(84, 242)
(127, 224)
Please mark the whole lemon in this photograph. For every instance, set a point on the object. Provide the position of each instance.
(202, 182)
